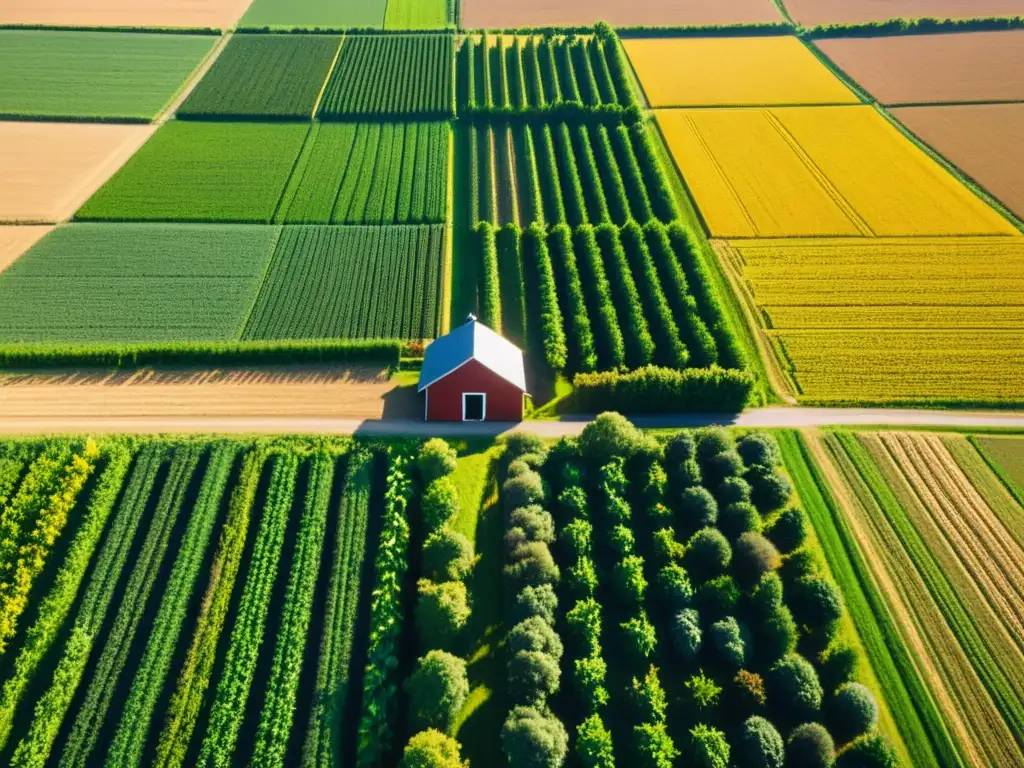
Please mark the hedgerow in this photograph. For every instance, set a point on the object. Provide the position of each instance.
(639, 346)
(548, 343)
(490, 282)
(582, 355)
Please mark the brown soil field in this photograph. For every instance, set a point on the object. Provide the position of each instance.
(500, 14)
(968, 67)
(14, 241)
(983, 140)
(50, 169)
(124, 13)
(811, 12)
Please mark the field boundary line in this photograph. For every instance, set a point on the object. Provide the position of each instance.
(824, 182)
(194, 79)
(327, 79)
(706, 149)
(856, 88)
(295, 166)
(271, 258)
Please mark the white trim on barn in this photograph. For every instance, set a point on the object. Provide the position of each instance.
(483, 415)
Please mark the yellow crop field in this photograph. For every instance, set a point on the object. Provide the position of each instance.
(814, 171)
(736, 71)
(888, 320)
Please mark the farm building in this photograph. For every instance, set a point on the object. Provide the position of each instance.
(473, 374)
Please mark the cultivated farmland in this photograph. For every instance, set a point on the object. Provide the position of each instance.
(124, 13)
(981, 140)
(352, 282)
(370, 173)
(94, 74)
(817, 171)
(135, 283)
(901, 320)
(1008, 455)
(421, 14)
(813, 12)
(270, 76)
(922, 69)
(50, 169)
(203, 172)
(496, 14)
(310, 14)
(756, 71)
(14, 241)
(392, 76)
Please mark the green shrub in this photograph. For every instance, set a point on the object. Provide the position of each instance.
(708, 555)
(584, 621)
(640, 636)
(766, 597)
(759, 745)
(776, 635)
(739, 518)
(809, 746)
(441, 613)
(517, 468)
(537, 260)
(853, 712)
(686, 634)
(535, 521)
(733, 490)
(725, 638)
(649, 698)
(698, 508)
(793, 688)
(868, 752)
(532, 676)
(447, 555)
(531, 564)
(675, 587)
(534, 634)
(703, 692)
(753, 556)
(759, 448)
(437, 689)
(723, 466)
(540, 601)
(815, 603)
(440, 503)
(490, 291)
(613, 477)
(665, 546)
(437, 459)
(533, 739)
(628, 579)
(576, 538)
(652, 389)
(581, 578)
(681, 448)
(837, 665)
(770, 490)
(708, 747)
(654, 484)
(622, 541)
(594, 743)
(798, 564)
(711, 442)
(574, 501)
(520, 444)
(432, 749)
(608, 436)
(522, 491)
(789, 531)
(590, 674)
(654, 747)
(717, 597)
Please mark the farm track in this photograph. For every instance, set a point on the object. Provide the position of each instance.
(198, 74)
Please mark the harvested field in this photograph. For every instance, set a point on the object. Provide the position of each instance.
(134, 283)
(124, 13)
(495, 14)
(736, 71)
(982, 140)
(49, 169)
(924, 69)
(812, 12)
(273, 76)
(914, 320)
(233, 172)
(94, 74)
(992, 489)
(14, 241)
(806, 171)
(309, 14)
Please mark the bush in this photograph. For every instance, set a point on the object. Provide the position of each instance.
(617, 510)
(688, 474)
(590, 674)
(708, 555)
(759, 448)
(629, 581)
(440, 503)
(534, 634)
(539, 601)
(853, 712)
(654, 747)
(769, 490)
(815, 603)
(437, 689)
(594, 744)
(739, 518)
(522, 491)
(437, 459)
(432, 749)
(666, 549)
(535, 521)
(794, 689)
(702, 691)
(766, 597)
(441, 612)
(777, 635)
(748, 692)
(622, 541)
(680, 448)
(520, 444)
(868, 752)
(531, 565)
(655, 481)
(517, 468)
(533, 739)
(708, 747)
(809, 746)
(663, 390)
(711, 442)
(759, 745)
(641, 638)
(577, 538)
(698, 507)
(584, 620)
(799, 564)
(574, 501)
(649, 698)
(608, 436)
(727, 642)
(613, 477)
(581, 578)
(789, 531)
(447, 555)
(733, 490)
(723, 466)
(837, 665)
(718, 597)
(686, 634)
(675, 587)
(532, 676)
(753, 556)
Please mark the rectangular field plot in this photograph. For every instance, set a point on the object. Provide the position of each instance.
(370, 173)
(94, 74)
(269, 76)
(813, 12)
(733, 72)
(124, 13)
(912, 320)
(923, 69)
(420, 14)
(519, 71)
(352, 282)
(800, 171)
(392, 76)
(310, 14)
(982, 140)
(203, 172)
(135, 283)
(500, 14)
(49, 169)
(1008, 454)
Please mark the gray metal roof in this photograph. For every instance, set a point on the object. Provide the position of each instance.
(473, 341)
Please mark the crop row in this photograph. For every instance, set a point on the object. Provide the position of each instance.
(365, 282)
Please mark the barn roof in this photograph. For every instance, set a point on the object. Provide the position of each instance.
(473, 341)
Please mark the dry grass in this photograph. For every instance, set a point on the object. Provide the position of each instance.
(14, 241)
(124, 13)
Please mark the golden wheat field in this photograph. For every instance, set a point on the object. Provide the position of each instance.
(756, 71)
(893, 320)
(818, 171)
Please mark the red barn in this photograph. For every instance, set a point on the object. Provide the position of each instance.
(473, 374)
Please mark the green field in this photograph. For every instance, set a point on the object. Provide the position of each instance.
(135, 283)
(392, 76)
(352, 282)
(1007, 453)
(271, 76)
(420, 14)
(370, 173)
(94, 74)
(310, 14)
(231, 172)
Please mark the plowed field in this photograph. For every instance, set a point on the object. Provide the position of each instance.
(124, 13)
(499, 14)
(49, 169)
(811, 12)
(14, 241)
(927, 69)
(983, 140)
